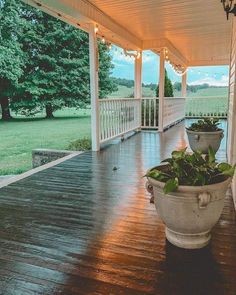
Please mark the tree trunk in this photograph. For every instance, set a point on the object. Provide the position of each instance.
(49, 111)
(6, 115)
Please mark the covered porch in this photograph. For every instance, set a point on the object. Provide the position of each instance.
(184, 34)
(82, 227)
(85, 225)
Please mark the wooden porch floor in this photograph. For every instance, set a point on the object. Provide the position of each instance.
(83, 228)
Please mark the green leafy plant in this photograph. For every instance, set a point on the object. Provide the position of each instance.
(83, 144)
(205, 125)
(191, 170)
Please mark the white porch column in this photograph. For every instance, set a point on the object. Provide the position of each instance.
(138, 77)
(161, 90)
(93, 63)
(184, 85)
(138, 84)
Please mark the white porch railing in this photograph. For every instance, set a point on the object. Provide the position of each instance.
(118, 116)
(174, 110)
(149, 112)
(210, 106)
(122, 115)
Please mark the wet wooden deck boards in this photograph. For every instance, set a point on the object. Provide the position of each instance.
(82, 228)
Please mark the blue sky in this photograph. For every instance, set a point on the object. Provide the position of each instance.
(124, 68)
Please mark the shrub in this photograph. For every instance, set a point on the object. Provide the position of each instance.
(83, 144)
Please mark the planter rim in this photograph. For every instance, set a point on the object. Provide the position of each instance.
(204, 132)
(189, 188)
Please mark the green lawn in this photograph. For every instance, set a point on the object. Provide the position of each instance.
(20, 136)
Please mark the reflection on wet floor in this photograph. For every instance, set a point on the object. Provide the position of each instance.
(82, 227)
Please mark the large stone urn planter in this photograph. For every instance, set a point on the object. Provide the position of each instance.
(190, 212)
(201, 141)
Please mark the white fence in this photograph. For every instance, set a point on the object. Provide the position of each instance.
(118, 116)
(174, 110)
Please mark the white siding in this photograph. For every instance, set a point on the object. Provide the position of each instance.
(231, 144)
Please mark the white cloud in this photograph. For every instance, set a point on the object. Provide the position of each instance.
(224, 81)
(148, 57)
(118, 55)
(117, 64)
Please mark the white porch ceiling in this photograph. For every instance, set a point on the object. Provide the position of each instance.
(196, 30)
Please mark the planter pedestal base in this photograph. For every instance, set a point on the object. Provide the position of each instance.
(188, 241)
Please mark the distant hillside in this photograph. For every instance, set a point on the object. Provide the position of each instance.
(126, 89)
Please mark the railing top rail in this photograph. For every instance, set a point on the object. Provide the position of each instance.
(175, 98)
(151, 97)
(118, 99)
(218, 96)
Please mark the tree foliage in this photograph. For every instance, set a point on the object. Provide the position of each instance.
(168, 90)
(11, 54)
(55, 72)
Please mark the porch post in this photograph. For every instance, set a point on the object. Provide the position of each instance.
(184, 85)
(161, 91)
(93, 64)
(138, 84)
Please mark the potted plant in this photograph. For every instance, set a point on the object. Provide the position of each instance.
(189, 192)
(205, 133)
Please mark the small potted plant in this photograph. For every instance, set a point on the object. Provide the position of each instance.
(189, 192)
(205, 133)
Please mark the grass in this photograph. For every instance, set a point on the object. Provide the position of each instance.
(20, 136)
(206, 106)
(124, 91)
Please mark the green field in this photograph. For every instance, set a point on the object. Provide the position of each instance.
(20, 136)
(206, 106)
(123, 92)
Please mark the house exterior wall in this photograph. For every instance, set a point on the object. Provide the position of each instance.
(231, 141)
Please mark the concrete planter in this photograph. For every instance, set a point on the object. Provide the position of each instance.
(200, 141)
(189, 213)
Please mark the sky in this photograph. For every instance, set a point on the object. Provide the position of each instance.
(124, 68)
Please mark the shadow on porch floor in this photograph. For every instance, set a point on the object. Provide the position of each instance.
(83, 228)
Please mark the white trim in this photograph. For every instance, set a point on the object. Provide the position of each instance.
(94, 65)
(117, 99)
(138, 85)
(120, 134)
(138, 77)
(157, 44)
(38, 169)
(184, 85)
(212, 62)
(161, 90)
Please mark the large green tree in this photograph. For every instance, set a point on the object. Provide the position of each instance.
(57, 69)
(11, 54)
(168, 90)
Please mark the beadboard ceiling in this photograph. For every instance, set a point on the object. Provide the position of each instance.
(196, 30)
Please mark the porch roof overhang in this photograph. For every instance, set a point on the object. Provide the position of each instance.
(196, 33)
